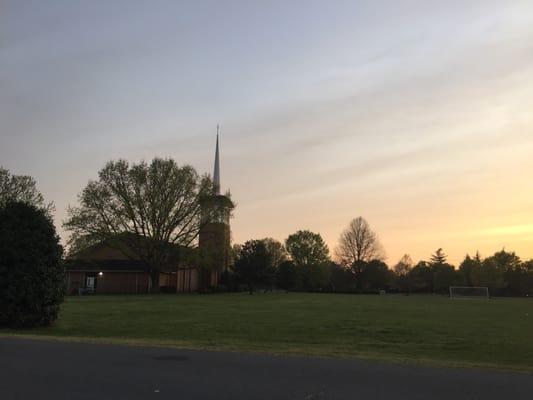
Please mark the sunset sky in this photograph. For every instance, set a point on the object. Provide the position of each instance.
(417, 115)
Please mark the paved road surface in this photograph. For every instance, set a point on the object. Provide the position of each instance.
(54, 370)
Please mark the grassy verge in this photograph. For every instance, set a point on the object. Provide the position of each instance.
(423, 329)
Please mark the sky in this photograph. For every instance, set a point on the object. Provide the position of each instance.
(416, 115)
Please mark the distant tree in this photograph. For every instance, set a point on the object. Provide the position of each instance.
(150, 207)
(402, 273)
(306, 247)
(31, 275)
(286, 275)
(404, 266)
(527, 267)
(277, 252)
(438, 258)
(358, 243)
(444, 276)
(488, 274)
(252, 264)
(309, 253)
(374, 275)
(421, 276)
(341, 279)
(510, 265)
(468, 265)
(23, 188)
(312, 277)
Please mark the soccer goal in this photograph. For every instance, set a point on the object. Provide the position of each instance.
(469, 292)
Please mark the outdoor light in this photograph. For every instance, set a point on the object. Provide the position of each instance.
(100, 273)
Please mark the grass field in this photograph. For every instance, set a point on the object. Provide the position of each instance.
(428, 329)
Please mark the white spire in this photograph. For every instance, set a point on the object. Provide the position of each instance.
(216, 173)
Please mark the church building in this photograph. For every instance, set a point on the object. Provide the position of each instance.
(106, 268)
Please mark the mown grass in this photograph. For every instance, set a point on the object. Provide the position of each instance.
(430, 329)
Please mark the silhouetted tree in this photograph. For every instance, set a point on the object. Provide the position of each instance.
(252, 264)
(286, 275)
(148, 206)
(277, 252)
(422, 277)
(374, 275)
(31, 275)
(468, 265)
(358, 243)
(341, 279)
(488, 274)
(402, 274)
(438, 258)
(23, 188)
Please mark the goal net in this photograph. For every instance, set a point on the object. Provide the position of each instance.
(469, 292)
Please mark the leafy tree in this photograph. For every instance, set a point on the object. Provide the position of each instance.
(21, 188)
(402, 274)
(444, 276)
(252, 263)
(276, 251)
(309, 254)
(286, 275)
(468, 265)
(306, 247)
(488, 274)
(422, 277)
(312, 276)
(146, 208)
(374, 275)
(502, 273)
(31, 274)
(341, 279)
(404, 266)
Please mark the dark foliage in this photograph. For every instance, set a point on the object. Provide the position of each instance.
(31, 273)
(253, 264)
(286, 276)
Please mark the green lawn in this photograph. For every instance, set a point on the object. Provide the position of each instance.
(429, 329)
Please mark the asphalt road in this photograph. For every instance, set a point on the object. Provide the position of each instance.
(55, 370)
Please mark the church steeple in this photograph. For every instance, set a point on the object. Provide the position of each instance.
(216, 173)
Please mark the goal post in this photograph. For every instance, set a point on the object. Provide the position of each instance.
(469, 292)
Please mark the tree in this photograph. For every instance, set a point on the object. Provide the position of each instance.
(286, 275)
(402, 273)
(468, 265)
(31, 274)
(252, 263)
(421, 277)
(488, 274)
(403, 266)
(341, 279)
(306, 247)
(276, 251)
(358, 245)
(374, 275)
(438, 258)
(309, 253)
(147, 208)
(23, 188)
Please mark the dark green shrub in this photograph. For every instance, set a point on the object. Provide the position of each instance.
(31, 275)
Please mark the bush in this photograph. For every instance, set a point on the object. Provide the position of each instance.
(31, 275)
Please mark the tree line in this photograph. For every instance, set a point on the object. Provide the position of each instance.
(156, 207)
(303, 263)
